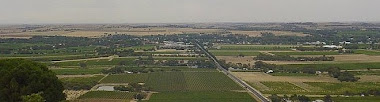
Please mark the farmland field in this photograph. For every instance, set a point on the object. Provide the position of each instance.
(368, 52)
(209, 96)
(178, 81)
(234, 52)
(108, 95)
(307, 53)
(340, 88)
(260, 76)
(282, 88)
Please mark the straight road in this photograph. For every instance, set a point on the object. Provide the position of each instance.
(255, 92)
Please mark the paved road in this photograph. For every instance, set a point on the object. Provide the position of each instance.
(255, 92)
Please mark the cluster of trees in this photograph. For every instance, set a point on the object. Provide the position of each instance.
(374, 92)
(332, 71)
(79, 85)
(266, 57)
(200, 63)
(62, 43)
(342, 76)
(23, 79)
(293, 98)
(234, 65)
(315, 49)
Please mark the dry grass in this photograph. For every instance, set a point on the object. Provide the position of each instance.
(259, 76)
(72, 95)
(369, 78)
(235, 59)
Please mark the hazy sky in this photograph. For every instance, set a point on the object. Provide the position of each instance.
(182, 11)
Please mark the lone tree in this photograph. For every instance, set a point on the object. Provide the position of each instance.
(83, 65)
(21, 78)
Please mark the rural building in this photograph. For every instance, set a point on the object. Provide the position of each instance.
(331, 46)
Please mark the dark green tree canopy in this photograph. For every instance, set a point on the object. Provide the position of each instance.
(21, 77)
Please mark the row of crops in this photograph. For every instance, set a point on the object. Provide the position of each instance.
(323, 88)
(177, 81)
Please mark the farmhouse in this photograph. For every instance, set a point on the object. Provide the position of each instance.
(331, 46)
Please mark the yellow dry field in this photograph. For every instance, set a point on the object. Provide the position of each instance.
(277, 33)
(72, 94)
(369, 78)
(260, 76)
(235, 59)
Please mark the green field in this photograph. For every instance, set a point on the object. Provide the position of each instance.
(368, 52)
(108, 95)
(234, 52)
(356, 99)
(307, 53)
(257, 47)
(178, 81)
(370, 72)
(217, 96)
(343, 66)
(340, 88)
(77, 71)
(115, 61)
